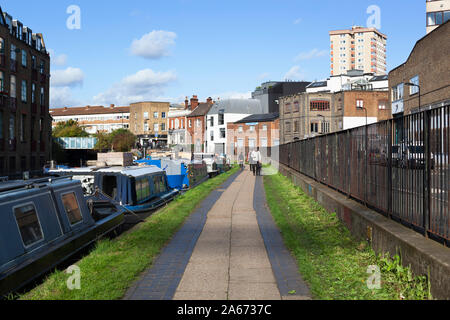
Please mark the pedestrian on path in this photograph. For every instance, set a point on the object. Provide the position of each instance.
(256, 160)
(241, 161)
(251, 161)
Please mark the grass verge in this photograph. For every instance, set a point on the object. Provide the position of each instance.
(331, 261)
(112, 267)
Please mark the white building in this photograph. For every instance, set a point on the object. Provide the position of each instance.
(94, 119)
(222, 113)
(178, 134)
(352, 80)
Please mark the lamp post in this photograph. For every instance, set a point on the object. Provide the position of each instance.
(410, 84)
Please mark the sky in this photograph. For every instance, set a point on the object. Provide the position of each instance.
(119, 52)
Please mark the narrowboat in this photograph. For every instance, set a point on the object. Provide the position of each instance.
(43, 222)
(181, 174)
(211, 163)
(138, 188)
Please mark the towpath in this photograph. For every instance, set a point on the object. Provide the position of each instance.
(229, 249)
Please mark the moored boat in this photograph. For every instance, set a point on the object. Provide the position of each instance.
(43, 222)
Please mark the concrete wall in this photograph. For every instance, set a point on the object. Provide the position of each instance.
(385, 235)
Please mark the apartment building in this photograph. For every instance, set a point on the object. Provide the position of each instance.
(149, 122)
(358, 48)
(197, 125)
(25, 125)
(423, 81)
(256, 131)
(438, 13)
(222, 113)
(94, 118)
(177, 134)
(310, 114)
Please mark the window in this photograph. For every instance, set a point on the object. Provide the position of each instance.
(146, 115)
(42, 96)
(211, 121)
(160, 184)
(33, 93)
(287, 108)
(72, 209)
(319, 105)
(24, 91)
(287, 126)
(382, 105)
(296, 107)
(221, 118)
(199, 123)
(24, 58)
(314, 127)
(264, 142)
(359, 104)
(212, 135)
(163, 127)
(414, 89)
(190, 123)
(42, 67)
(13, 52)
(1, 81)
(28, 223)
(145, 126)
(325, 127)
(163, 115)
(13, 87)
(155, 115)
(156, 127)
(397, 92)
(241, 129)
(264, 127)
(223, 133)
(142, 189)
(12, 122)
(2, 46)
(437, 18)
(296, 127)
(252, 128)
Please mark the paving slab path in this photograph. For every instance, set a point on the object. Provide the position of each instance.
(237, 254)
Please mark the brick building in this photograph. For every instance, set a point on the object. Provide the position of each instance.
(256, 131)
(196, 124)
(25, 125)
(309, 114)
(177, 127)
(94, 119)
(428, 67)
(149, 122)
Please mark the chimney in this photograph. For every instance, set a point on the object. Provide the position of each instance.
(194, 102)
(112, 106)
(209, 101)
(186, 103)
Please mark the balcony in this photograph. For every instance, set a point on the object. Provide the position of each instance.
(12, 145)
(13, 104)
(14, 66)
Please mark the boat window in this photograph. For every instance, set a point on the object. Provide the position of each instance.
(142, 189)
(72, 209)
(160, 184)
(29, 226)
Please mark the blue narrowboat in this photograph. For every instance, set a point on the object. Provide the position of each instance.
(44, 222)
(139, 189)
(181, 174)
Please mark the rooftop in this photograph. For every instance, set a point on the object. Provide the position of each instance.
(201, 110)
(88, 110)
(237, 106)
(266, 117)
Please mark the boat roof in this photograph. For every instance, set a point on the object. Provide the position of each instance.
(132, 171)
(22, 184)
(74, 170)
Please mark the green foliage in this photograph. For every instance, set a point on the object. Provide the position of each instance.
(69, 129)
(332, 262)
(120, 140)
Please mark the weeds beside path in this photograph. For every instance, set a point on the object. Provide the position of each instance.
(331, 261)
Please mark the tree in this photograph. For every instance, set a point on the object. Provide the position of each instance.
(103, 142)
(69, 129)
(120, 140)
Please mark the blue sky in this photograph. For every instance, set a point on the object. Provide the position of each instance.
(134, 50)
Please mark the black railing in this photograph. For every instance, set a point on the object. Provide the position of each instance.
(399, 167)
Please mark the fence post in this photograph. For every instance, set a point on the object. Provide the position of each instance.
(389, 166)
(427, 171)
(366, 144)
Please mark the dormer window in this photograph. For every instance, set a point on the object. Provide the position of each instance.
(8, 20)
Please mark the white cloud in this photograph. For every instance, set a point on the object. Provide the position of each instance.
(297, 21)
(69, 77)
(144, 85)
(154, 45)
(314, 53)
(61, 97)
(294, 74)
(57, 60)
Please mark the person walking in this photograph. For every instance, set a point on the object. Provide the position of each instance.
(241, 161)
(256, 160)
(251, 162)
